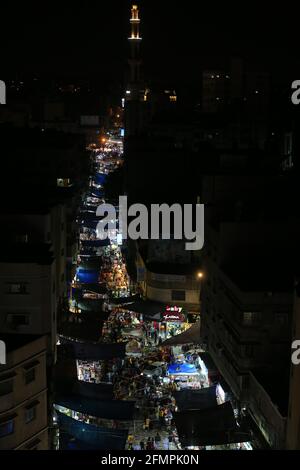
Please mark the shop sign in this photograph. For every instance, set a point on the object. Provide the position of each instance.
(173, 314)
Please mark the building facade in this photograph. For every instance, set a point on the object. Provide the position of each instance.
(23, 394)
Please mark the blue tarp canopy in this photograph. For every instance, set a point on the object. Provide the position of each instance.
(87, 276)
(182, 369)
(196, 399)
(100, 178)
(91, 436)
(96, 192)
(106, 409)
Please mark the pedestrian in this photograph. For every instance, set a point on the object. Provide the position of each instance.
(157, 437)
(146, 423)
(142, 445)
(161, 417)
(148, 445)
(152, 444)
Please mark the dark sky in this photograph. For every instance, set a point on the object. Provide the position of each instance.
(88, 38)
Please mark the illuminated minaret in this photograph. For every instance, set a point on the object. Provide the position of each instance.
(135, 60)
(135, 101)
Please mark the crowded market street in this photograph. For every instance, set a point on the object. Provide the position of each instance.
(163, 360)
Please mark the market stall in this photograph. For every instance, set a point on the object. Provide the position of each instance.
(183, 375)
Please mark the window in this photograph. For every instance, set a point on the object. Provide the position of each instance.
(178, 295)
(250, 318)
(17, 288)
(30, 372)
(6, 387)
(29, 376)
(18, 319)
(30, 413)
(7, 428)
(21, 238)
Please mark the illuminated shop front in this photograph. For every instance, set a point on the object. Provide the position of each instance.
(173, 322)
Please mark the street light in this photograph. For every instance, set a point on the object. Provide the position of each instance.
(200, 275)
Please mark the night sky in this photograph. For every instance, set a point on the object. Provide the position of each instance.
(88, 38)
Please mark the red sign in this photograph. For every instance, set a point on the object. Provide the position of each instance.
(173, 314)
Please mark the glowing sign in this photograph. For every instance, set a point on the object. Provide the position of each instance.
(173, 314)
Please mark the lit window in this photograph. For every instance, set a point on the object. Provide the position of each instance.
(63, 182)
(250, 318)
(20, 288)
(173, 98)
(7, 428)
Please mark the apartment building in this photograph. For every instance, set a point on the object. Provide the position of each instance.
(28, 292)
(293, 420)
(23, 394)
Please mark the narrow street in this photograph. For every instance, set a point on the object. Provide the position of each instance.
(157, 365)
